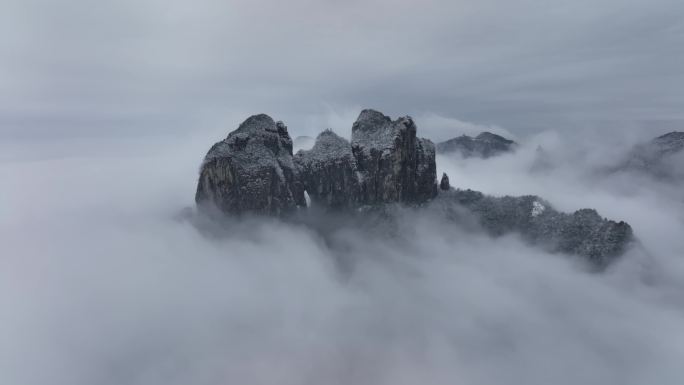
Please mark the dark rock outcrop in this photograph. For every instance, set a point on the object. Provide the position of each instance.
(426, 172)
(328, 172)
(584, 232)
(662, 157)
(251, 171)
(384, 163)
(444, 183)
(484, 145)
(393, 164)
(383, 168)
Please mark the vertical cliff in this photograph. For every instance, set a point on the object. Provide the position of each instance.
(252, 170)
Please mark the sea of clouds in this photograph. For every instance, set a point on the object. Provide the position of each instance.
(103, 282)
(107, 108)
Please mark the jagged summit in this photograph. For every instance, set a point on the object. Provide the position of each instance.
(662, 157)
(328, 145)
(394, 165)
(384, 163)
(374, 130)
(584, 232)
(254, 136)
(670, 142)
(253, 171)
(487, 136)
(444, 183)
(328, 172)
(371, 121)
(256, 123)
(484, 145)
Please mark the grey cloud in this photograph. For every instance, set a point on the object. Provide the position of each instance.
(528, 65)
(101, 284)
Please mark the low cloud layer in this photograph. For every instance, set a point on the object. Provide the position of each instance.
(102, 282)
(106, 110)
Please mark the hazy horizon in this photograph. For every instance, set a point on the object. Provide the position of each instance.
(126, 68)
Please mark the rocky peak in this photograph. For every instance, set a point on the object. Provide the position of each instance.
(394, 165)
(328, 172)
(255, 132)
(484, 145)
(662, 157)
(492, 138)
(584, 232)
(251, 170)
(328, 145)
(370, 120)
(373, 130)
(670, 142)
(384, 163)
(444, 183)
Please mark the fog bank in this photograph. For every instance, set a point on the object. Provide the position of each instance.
(103, 283)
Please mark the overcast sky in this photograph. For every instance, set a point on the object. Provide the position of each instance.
(82, 68)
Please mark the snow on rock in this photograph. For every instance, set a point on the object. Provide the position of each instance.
(396, 166)
(537, 208)
(251, 171)
(584, 232)
(328, 172)
(484, 145)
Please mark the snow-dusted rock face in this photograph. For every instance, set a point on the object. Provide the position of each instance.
(328, 172)
(444, 182)
(384, 163)
(584, 232)
(426, 172)
(393, 164)
(484, 145)
(251, 171)
(383, 168)
(669, 143)
(662, 157)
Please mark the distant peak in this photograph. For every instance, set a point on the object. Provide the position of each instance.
(328, 132)
(674, 135)
(484, 145)
(258, 122)
(370, 113)
(371, 118)
(486, 135)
